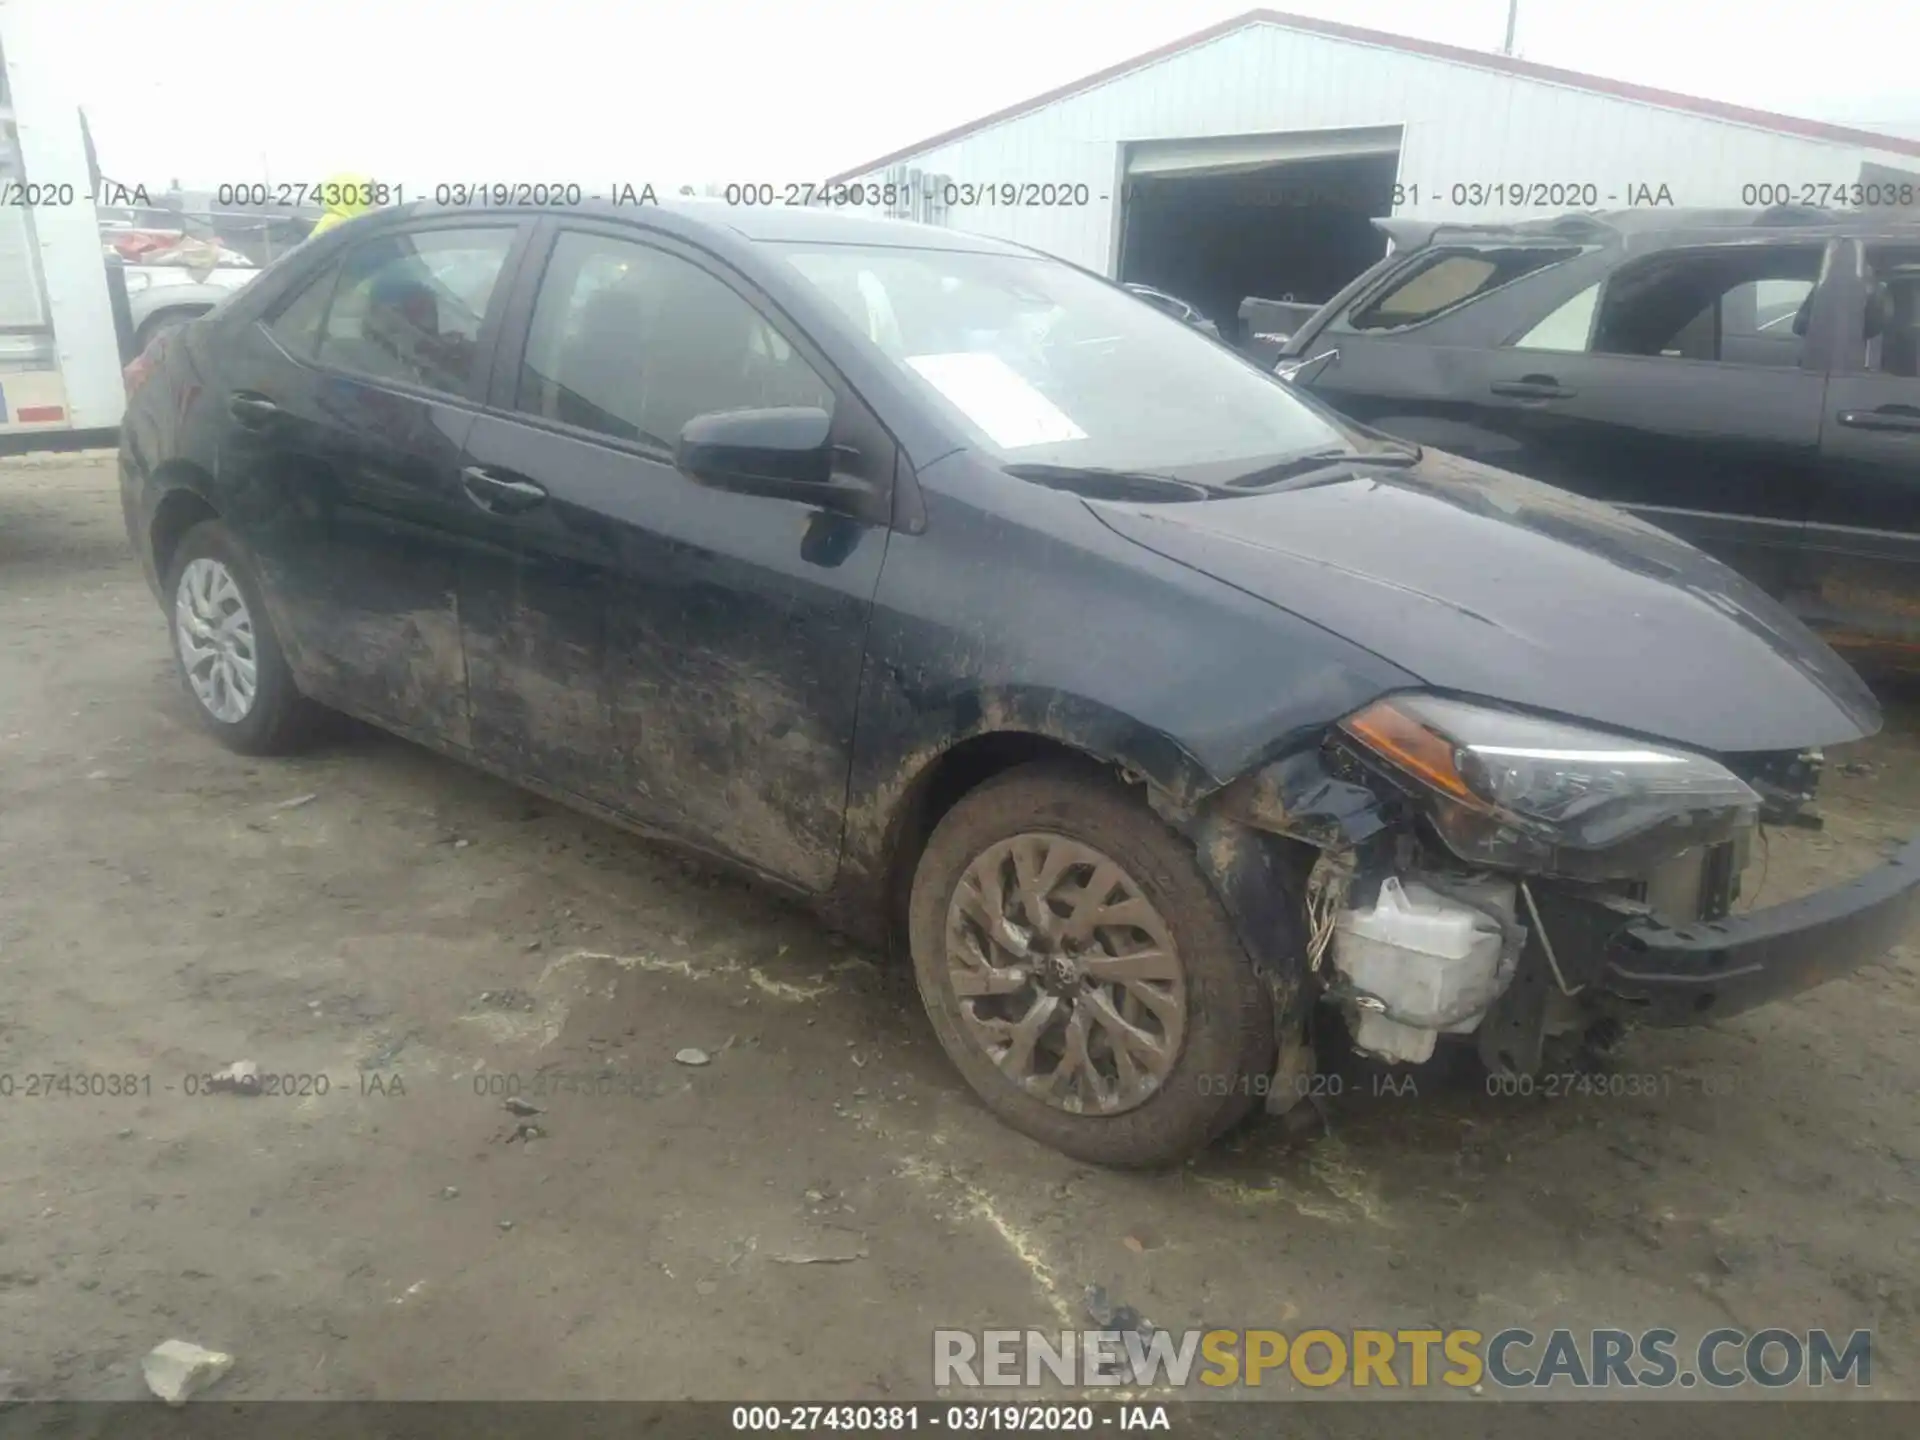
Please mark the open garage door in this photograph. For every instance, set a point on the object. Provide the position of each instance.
(1884, 187)
(1280, 216)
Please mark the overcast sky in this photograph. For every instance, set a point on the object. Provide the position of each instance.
(670, 91)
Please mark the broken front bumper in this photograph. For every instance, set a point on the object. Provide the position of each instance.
(1688, 974)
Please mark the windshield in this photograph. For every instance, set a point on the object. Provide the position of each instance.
(1045, 364)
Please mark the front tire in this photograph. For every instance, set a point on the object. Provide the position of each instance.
(229, 660)
(1081, 974)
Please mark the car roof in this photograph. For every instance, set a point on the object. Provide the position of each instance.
(1653, 223)
(782, 224)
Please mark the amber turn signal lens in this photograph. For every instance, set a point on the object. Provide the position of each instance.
(1397, 737)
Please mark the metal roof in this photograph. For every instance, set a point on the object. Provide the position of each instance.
(1782, 221)
(1504, 64)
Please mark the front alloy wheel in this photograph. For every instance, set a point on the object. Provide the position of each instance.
(1080, 972)
(1067, 976)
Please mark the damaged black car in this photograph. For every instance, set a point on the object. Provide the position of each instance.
(1148, 706)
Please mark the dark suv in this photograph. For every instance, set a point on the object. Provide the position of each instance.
(1749, 380)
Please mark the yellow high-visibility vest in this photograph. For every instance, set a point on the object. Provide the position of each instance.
(344, 197)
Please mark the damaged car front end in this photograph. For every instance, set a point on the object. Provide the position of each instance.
(1543, 834)
(1513, 880)
(1461, 756)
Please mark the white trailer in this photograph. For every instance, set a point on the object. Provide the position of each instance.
(60, 366)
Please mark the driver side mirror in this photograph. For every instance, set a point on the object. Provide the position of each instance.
(782, 454)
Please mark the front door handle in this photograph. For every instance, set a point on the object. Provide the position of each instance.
(251, 411)
(1887, 417)
(504, 494)
(1533, 387)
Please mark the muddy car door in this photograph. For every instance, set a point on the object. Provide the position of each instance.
(686, 656)
(1864, 533)
(344, 415)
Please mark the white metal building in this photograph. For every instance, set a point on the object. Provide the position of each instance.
(1249, 158)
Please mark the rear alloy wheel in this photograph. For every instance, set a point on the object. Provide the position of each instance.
(214, 632)
(230, 661)
(1081, 974)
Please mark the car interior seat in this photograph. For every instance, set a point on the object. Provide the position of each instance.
(402, 319)
(601, 373)
(702, 352)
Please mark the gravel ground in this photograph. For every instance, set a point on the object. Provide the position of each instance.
(416, 934)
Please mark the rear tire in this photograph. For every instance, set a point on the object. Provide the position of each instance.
(1191, 1004)
(229, 660)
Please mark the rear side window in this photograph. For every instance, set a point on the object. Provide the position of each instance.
(1737, 305)
(1764, 307)
(1706, 304)
(297, 326)
(408, 307)
(1893, 347)
(1437, 283)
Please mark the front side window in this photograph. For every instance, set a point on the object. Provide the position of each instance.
(408, 306)
(631, 342)
(1568, 328)
(1042, 363)
(1439, 282)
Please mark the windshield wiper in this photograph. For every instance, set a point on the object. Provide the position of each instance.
(1097, 482)
(1316, 462)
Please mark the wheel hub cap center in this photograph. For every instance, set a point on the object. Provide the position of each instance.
(1061, 971)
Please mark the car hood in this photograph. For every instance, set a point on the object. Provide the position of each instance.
(1484, 583)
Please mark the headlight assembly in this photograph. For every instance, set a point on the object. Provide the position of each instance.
(1515, 792)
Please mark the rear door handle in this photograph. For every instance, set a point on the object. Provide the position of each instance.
(1533, 388)
(1887, 417)
(250, 410)
(501, 493)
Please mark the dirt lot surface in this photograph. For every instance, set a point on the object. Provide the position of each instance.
(417, 933)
